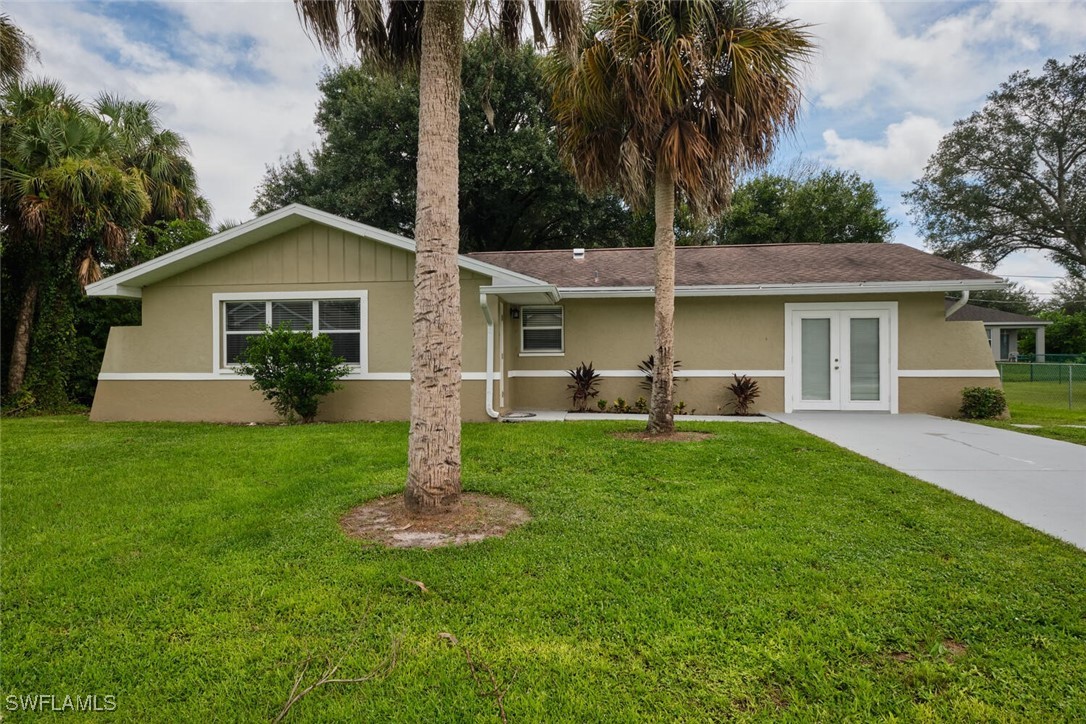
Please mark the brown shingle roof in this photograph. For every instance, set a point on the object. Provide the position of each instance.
(990, 315)
(731, 265)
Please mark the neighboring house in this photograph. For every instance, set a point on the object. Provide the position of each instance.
(1002, 329)
(827, 327)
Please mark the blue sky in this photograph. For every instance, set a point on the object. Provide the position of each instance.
(238, 79)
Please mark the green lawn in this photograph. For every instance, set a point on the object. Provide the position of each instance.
(1045, 404)
(189, 569)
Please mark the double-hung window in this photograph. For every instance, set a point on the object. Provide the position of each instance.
(541, 330)
(342, 319)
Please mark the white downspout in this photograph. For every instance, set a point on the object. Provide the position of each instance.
(489, 358)
(958, 304)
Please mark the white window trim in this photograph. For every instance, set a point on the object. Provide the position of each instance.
(562, 328)
(792, 371)
(218, 329)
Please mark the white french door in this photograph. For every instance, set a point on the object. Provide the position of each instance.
(840, 359)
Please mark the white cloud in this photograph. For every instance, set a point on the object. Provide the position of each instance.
(899, 156)
(870, 60)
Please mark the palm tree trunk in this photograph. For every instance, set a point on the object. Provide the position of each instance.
(20, 343)
(433, 477)
(661, 406)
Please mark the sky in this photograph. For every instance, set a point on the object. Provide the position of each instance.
(239, 81)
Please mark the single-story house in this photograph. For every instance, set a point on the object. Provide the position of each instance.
(820, 327)
(1002, 328)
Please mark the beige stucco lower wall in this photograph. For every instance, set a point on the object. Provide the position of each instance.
(233, 401)
(935, 396)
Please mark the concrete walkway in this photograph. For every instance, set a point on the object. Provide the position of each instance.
(1035, 480)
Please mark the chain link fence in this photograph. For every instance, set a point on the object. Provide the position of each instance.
(1050, 384)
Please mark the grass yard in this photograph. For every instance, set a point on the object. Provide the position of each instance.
(189, 570)
(1045, 404)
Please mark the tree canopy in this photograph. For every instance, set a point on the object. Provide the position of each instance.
(77, 184)
(1012, 176)
(828, 207)
(514, 192)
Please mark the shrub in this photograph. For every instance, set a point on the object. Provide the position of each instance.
(586, 383)
(648, 368)
(982, 403)
(620, 406)
(602, 405)
(641, 405)
(293, 370)
(745, 390)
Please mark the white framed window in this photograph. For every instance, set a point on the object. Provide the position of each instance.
(541, 330)
(239, 317)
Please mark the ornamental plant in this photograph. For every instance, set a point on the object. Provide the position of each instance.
(585, 384)
(982, 403)
(293, 370)
(746, 391)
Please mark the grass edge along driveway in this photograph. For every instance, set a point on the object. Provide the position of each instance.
(189, 570)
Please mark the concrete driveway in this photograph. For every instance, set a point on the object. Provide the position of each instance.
(1032, 479)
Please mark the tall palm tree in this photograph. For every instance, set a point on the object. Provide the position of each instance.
(16, 49)
(64, 195)
(675, 96)
(399, 34)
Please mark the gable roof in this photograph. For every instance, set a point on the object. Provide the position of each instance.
(130, 282)
(993, 316)
(744, 265)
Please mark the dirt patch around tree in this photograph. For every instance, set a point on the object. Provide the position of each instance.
(668, 437)
(386, 521)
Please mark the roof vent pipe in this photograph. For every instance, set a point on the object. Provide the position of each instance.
(578, 253)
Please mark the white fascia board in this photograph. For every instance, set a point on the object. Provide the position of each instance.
(499, 290)
(1013, 325)
(747, 290)
(129, 282)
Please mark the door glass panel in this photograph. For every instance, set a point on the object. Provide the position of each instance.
(864, 359)
(815, 350)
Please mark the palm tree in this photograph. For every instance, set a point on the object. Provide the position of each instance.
(399, 34)
(65, 197)
(159, 155)
(16, 49)
(675, 96)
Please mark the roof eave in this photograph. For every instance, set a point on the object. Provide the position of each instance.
(129, 283)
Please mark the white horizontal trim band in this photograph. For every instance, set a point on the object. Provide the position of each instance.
(231, 377)
(948, 373)
(680, 374)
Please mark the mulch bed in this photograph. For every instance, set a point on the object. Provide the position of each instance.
(669, 437)
(386, 521)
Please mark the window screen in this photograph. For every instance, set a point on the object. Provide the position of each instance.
(541, 329)
(340, 319)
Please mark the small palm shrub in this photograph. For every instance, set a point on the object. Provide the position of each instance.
(982, 403)
(585, 385)
(746, 391)
(293, 370)
(648, 368)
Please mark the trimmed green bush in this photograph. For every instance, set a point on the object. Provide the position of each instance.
(982, 403)
(294, 370)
